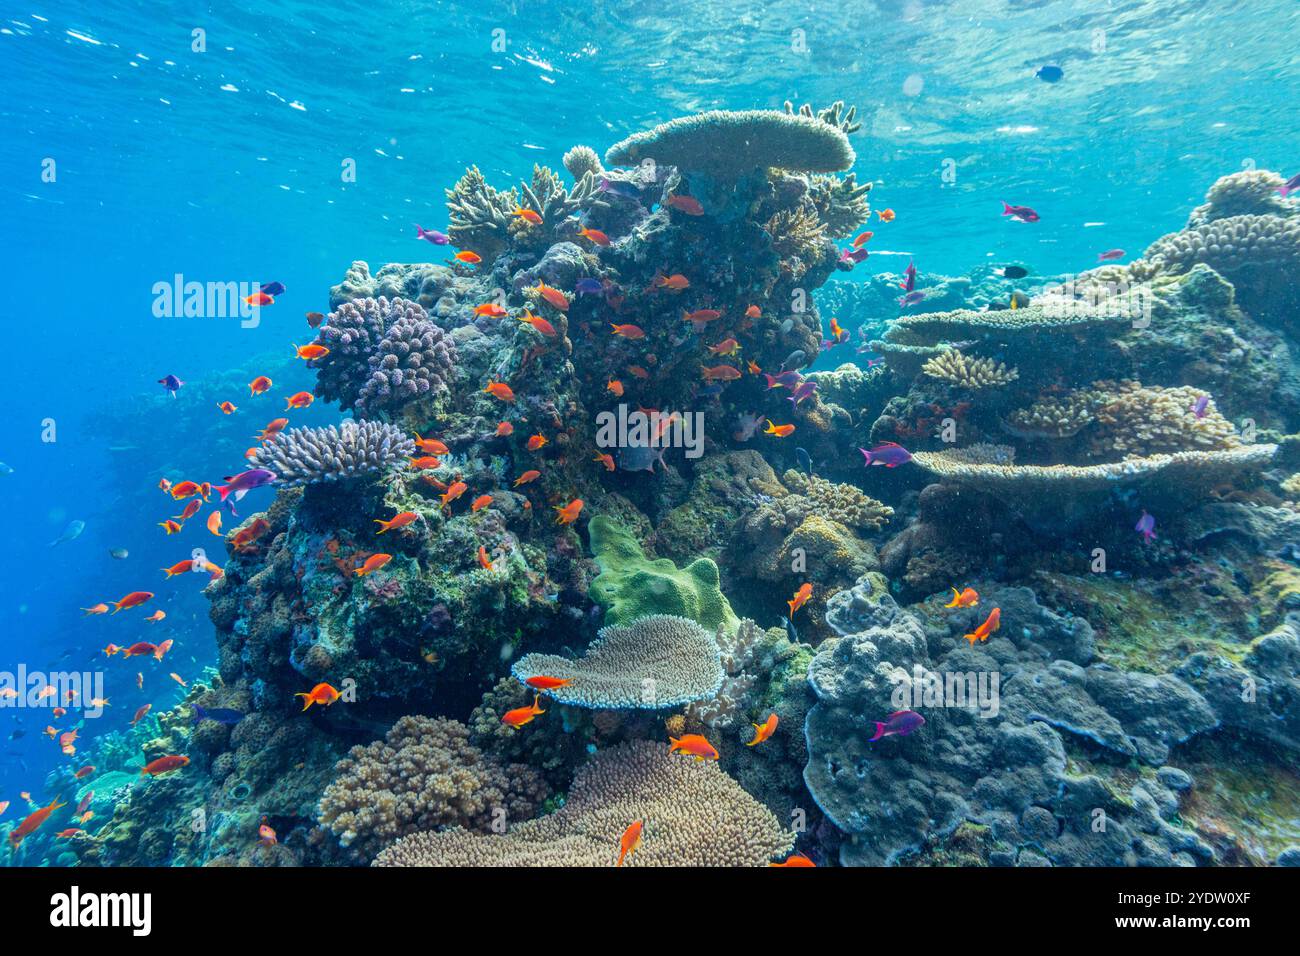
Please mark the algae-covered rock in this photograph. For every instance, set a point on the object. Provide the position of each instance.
(630, 585)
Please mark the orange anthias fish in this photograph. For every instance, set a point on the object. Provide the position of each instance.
(991, 624)
(180, 567)
(614, 386)
(481, 502)
(675, 282)
(504, 429)
(720, 373)
(431, 445)
(84, 772)
(780, 431)
(164, 484)
(170, 526)
(728, 346)
(687, 204)
(594, 235)
(800, 598)
(862, 239)
(322, 694)
(189, 512)
(156, 616)
(259, 385)
(500, 390)
(140, 714)
(425, 461)
(965, 598)
(539, 323)
(100, 608)
(531, 475)
(530, 216)
(522, 715)
(753, 312)
(134, 599)
(552, 295)
(299, 400)
(638, 372)
(32, 822)
(309, 352)
(272, 429)
(631, 841)
(491, 310)
(569, 513)
(701, 316)
(112, 649)
(400, 520)
(794, 860)
(837, 333)
(542, 682)
(227, 407)
(162, 649)
(156, 768)
(372, 564)
(606, 459)
(259, 299)
(628, 331)
(764, 730)
(886, 215)
(266, 836)
(536, 441)
(140, 649)
(473, 258)
(484, 561)
(183, 489)
(214, 523)
(178, 679)
(245, 537)
(693, 744)
(456, 489)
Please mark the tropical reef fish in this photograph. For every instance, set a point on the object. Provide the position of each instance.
(531, 475)
(595, 236)
(568, 514)
(1200, 405)
(244, 482)
(431, 235)
(266, 836)
(221, 715)
(470, 258)
(693, 745)
(259, 385)
(1013, 272)
(140, 714)
(400, 520)
(171, 383)
(1146, 526)
(322, 694)
(1049, 73)
(630, 842)
(640, 458)
(805, 389)
(530, 216)
(310, 351)
(32, 822)
(484, 561)
(1110, 255)
(687, 204)
(780, 431)
(259, 299)
(764, 730)
(273, 288)
(553, 296)
(372, 564)
(133, 599)
(886, 215)
(71, 533)
(889, 454)
(991, 624)
(912, 298)
(793, 861)
(720, 373)
(628, 331)
(167, 764)
(967, 597)
(542, 682)
(500, 390)
(909, 278)
(1022, 213)
(522, 715)
(1290, 186)
(898, 724)
(299, 400)
(800, 598)
(588, 286)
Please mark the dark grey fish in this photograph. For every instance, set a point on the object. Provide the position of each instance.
(805, 460)
(120, 553)
(221, 715)
(640, 458)
(794, 360)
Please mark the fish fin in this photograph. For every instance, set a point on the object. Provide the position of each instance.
(880, 732)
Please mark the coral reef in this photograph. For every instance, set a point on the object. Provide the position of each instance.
(303, 456)
(970, 373)
(693, 815)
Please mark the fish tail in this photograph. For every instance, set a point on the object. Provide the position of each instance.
(1006, 208)
(880, 732)
(307, 699)
(383, 525)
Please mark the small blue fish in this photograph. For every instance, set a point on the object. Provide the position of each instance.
(588, 287)
(619, 188)
(71, 533)
(1050, 73)
(171, 383)
(221, 715)
(273, 289)
(805, 460)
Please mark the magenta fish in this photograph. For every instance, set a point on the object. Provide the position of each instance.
(889, 454)
(1200, 405)
(909, 278)
(244, 482)
(805, 389)
(853, 255)
(432, 235)
(1110, 255)
(900, 724)
(1023, 213)
(84, 805)
(1147, 526)
(784, 380)
(1290, 186)
(911, 298)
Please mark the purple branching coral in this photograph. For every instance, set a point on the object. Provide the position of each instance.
(383, 354)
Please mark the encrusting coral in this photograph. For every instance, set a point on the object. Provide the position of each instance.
(424, 774)
(303, 456)
(652, 662)
(693, 815)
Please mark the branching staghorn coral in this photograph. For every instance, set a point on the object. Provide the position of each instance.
(729, 145)
(424, 774)
(831, 115)
(478, 215)
(303, 456)
(693, 815)
(414, 359)
(1144, 420)
(964, 371)
(840, 203)
(796, 234)
(549, 199)
(654, 662)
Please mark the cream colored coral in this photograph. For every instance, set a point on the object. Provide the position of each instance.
(969, 372)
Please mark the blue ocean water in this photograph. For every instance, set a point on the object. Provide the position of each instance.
(229, 165)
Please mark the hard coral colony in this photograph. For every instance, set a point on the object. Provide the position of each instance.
(702, 624)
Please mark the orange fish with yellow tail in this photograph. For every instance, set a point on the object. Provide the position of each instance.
(522, 715)
(764, 730)
(967, 597)
(991, 624)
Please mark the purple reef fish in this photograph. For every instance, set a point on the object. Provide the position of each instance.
(1023, 213)
(1147, 526)
(889, 454)
(911, 298)
(805, 389)
(853, 255)
(619, 188)
(1199, 406)
(1290, 186)
(900, 723)
(244, 482)
(1110, 255)
(432, 235)
(783, 380)
(588, 287)
(171, 383)
(909, 278)
(273, 289)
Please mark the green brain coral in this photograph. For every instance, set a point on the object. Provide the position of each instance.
(630, 585)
